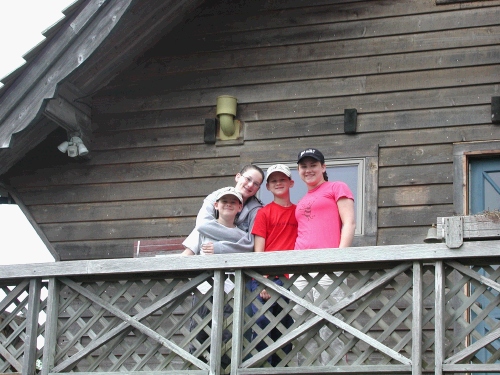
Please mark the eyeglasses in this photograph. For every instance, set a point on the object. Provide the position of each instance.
(250, 181)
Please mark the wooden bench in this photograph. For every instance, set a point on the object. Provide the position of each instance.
(150, 247)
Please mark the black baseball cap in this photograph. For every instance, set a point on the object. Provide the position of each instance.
(312, 153)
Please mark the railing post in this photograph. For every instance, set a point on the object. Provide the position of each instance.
(239, 293)
(440, 291)
(49, 347)
(217, 323)
(417, 325)
(29, 362)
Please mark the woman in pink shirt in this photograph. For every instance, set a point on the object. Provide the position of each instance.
(325, 217)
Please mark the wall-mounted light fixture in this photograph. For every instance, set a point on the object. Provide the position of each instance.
(73, 147)
(226, 112)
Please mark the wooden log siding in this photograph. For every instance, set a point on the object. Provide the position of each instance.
(420, 75)
(403, 312)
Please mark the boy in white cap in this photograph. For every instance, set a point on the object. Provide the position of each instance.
(228, 204)
(275, 229)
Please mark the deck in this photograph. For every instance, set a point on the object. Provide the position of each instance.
(406, 309)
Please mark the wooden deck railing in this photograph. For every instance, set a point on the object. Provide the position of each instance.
(405, 309)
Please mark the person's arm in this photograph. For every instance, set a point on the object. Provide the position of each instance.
(187, 252)
(347, 216)
(207, 224)
(260, 244)
(245, 244)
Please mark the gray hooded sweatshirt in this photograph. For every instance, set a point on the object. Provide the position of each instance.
(227, 241)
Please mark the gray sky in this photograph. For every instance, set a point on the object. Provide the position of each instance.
(21, 26)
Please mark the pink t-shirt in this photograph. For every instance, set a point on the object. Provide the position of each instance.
(318, 216)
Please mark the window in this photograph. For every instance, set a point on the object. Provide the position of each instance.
(476, 185)
(350, 171)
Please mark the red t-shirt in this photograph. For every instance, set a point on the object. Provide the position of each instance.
(278, 225)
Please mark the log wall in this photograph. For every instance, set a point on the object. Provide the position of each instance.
(420, 75)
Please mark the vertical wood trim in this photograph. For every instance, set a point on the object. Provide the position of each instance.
(49, 348)
(237, 339)
(418, 301)
(453, 231)
(439, 317)
(29, 362)
(217, 323)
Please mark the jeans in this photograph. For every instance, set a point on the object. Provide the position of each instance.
(262, 322)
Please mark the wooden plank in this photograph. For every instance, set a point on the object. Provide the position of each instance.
(440, 316)
(153, 77)
(399, 235)
(50, 336)
(476, 226)
(167, 170)
(447, 39)
(420, 154)
(238, 321)
(400, 23)
(30, 342)
(133, 229)
(161, 153)
(296, 13)
(136, 209)
(315, 88)
(124, 191)
(311, 259)
(217, 322)
(415, 195)
(117, 248)
(417, 316)
(416, 175)
(412, 216)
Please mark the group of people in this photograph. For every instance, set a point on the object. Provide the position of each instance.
(233, 220)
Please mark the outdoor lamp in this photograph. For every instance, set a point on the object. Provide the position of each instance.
(63, 147)
(73, 147)
(226, 111)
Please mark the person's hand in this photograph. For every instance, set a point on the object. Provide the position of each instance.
(265, 295)
(207, 248)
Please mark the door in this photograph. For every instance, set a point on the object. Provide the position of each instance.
(484, 195)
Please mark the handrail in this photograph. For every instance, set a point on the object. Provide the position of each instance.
(271, 260)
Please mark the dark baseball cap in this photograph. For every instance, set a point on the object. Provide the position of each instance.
(311, 153)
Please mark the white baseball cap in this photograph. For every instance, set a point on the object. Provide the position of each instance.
(278, 168)
(228, 191)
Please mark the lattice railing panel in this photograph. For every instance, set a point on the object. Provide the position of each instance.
(14, 311)
(472, 314)
(371, 322)
(94, 331)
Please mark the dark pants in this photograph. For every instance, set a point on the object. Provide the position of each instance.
(262, 322)
(202, 336)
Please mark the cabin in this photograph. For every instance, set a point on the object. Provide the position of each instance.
(116, 128)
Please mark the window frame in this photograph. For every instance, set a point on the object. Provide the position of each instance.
(367, 189)
(462, 152)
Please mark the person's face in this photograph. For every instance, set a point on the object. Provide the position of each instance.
(311, 171)
(228, 205)
(279, 183)
(248, 183)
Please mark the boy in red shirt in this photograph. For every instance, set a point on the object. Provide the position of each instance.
(275, 229)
